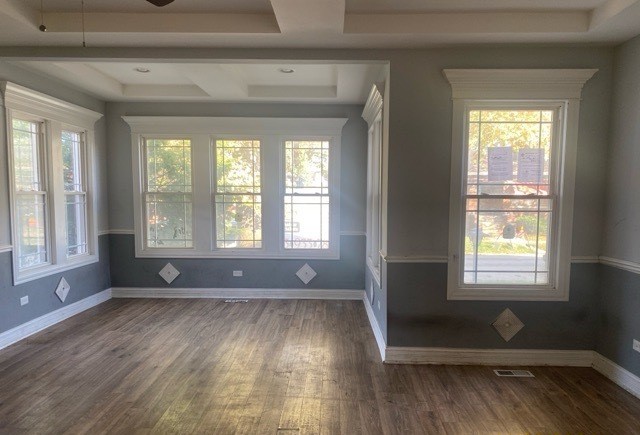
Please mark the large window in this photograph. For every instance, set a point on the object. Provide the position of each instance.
(238, 187)
(167, 193)
(306, 194)
(49, 147)
(238, 201)
(513, 170)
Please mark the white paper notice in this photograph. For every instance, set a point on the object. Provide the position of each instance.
(500, 163)
(530, 162)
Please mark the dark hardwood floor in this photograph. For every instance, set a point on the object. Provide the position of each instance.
(274, 367)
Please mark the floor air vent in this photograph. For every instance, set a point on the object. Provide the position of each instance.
(514, 373)
(236, 301)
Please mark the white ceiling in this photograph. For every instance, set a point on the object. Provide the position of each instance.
(317, 23)
(310, 82)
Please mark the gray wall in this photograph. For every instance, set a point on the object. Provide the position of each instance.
(84, 281)
(620, 289)
(346, 273)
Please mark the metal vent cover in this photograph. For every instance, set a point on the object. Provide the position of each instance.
(514, 373)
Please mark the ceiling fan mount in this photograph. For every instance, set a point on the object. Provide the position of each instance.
(160, 3)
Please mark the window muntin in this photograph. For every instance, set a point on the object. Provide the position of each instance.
(509, 204)
(30, 190)
(306, 194)
(167, 193)
(75, 190)
(238, 199)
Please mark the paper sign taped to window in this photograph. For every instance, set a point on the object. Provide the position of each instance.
(530, 164)
(500, 163)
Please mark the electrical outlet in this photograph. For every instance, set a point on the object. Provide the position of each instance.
(24, 300)
(237, 273)
(636, 345)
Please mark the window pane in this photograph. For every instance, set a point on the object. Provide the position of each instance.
(509, 152)
(169, 209)
(238, 200)
(169, 220)
(306, 222)
(72, 161)
(31, 230)
(306, 202)
(26, 156)
(307, 167)
(238, 221)
(76, 225)
(508, 243)
(169, 165)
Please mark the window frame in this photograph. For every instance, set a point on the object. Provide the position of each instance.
(55, 115)
(373, 114)
(516, 88)
(271, 132)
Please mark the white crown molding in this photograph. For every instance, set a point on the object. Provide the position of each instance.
(629, 266)
(235, 293)
(415, 258)
(22, 99)
(621, 376)
(498, 84)
(6, 248)
(375, 327)
(31, 327)
(374, 103)
(233, 125)
(507, 357)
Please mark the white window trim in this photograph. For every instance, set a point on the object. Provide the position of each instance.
(56, 115)
(373, 114)
(555, 86)
(272, 132)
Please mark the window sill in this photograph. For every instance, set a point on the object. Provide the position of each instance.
(495, 294)
(48, 270)
(332, 255)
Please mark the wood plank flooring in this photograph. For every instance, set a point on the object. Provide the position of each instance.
(274, 367)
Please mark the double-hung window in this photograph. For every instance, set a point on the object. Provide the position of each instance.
(167, 193)
(513, 170)
(236, 187)
(49, 144)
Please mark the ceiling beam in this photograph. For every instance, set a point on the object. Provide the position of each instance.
(464, 22)
(309, 16)
(116, 22)
(19, 11)
(608, 10)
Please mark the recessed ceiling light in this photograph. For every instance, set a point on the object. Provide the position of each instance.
(142, 69)
(286, 70)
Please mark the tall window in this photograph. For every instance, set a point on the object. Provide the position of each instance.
(306, 195)
(75, 190)
(238, 199)
(168, 193)
(510, 195)
(51, 185)
(515, 136)
(31, 206)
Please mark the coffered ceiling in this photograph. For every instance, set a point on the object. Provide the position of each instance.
(316, 23)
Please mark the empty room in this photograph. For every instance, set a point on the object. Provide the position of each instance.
(319, 216)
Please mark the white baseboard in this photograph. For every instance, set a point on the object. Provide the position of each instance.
(504, 357)
(617, 374)
(377, 332)
(36, 325)
(237, 293)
